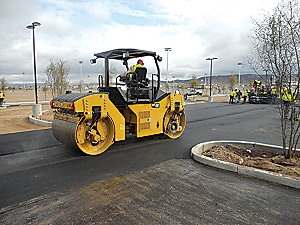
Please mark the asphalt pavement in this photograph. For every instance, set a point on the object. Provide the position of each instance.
(145, 181)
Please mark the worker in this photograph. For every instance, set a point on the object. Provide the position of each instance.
(232, 96)
(273, 94)
(2, 98)
(288, 99)
(245, 95)
(139, 63)
(238, 96)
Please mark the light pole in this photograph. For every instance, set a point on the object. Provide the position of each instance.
(168, 50)
(81, 81)
(240, 64)
(80, 62)
(173, 81)
(32, 27)
(210, 75)
(24, 81)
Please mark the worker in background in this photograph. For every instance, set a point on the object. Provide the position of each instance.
(238, 96)
(245, 95)
(288, 99)
(2, 98)
(273, 94)
(232, 96)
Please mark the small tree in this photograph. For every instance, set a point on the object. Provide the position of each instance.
(3, 84)
(276, 43)
(223, 88)
(80, 86)
(194, 83)
(57, 74)
(45, 88)
(232, 82)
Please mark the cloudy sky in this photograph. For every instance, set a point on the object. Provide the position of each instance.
(74, 30)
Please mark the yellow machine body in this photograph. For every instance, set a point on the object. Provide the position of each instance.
(152, 118)
(92, 123)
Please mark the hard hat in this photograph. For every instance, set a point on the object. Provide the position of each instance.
(140, 62)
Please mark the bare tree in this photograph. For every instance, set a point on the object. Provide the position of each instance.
(45, 88)
(232, 82)
(276, 43)
(57, 74)
(194, 83)
(80, 86)
(3, 84)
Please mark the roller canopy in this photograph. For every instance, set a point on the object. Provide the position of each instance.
(118, 53)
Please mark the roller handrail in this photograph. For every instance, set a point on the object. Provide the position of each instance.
(100, 77)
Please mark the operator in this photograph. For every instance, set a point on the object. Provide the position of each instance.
(1, 98)
(139, 63)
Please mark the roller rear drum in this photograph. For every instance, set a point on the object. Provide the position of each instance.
(174, 124)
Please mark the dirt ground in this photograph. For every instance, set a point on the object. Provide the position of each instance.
(14, 119)
(265, 160)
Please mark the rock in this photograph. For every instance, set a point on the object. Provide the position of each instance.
(241, 161)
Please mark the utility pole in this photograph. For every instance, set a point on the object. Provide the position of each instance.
(240, 64)
(32, 27)
(168, 50)
(210, 75)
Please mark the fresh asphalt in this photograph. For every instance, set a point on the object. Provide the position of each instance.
(33, 164)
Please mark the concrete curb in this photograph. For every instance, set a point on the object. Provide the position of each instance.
(39, 122)
(197, 150)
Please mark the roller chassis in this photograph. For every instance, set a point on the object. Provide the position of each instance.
(92, 122)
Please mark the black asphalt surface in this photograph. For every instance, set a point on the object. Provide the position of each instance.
(34, 164)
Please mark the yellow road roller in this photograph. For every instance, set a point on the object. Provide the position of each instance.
(134, 104)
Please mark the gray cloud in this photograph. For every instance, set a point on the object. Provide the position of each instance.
(75, 30)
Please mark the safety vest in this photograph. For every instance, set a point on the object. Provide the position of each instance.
(233, 94)
(1, 95)
(133, 68)
(273, 91)
(246, 93)
(287, 97)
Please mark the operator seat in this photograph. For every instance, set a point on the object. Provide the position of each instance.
(141, 73)
(138, 87)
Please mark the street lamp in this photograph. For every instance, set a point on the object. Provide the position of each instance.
(173, 81)
(168, 50)
(24, 81)
(80, 62)
(32, 26)
(211, 59)
(81, 81)
(240, 64)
